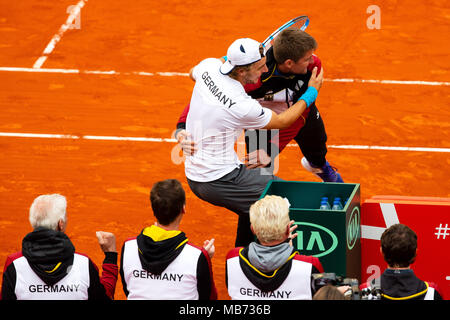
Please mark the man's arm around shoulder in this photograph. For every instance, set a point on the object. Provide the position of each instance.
(289, 116)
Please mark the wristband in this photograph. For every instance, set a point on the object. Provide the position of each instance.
(309, 96)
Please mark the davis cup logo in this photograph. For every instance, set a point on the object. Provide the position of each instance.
(353, 228)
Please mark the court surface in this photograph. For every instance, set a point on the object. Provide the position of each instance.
(122, 73)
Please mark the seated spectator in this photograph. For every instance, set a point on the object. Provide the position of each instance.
(160, 263)
(398, 281)
(270, 268)
(48, 268)
(330, 292)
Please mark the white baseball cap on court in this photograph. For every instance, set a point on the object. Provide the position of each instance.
(242, 52)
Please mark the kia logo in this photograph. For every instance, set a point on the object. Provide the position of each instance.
(315, 240)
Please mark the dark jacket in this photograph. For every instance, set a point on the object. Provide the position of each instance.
(50, 255)
(402, 285)
(158, 249)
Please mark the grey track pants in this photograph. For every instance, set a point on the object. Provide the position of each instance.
(236, 191)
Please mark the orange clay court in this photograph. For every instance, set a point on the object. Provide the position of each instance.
(122, 73)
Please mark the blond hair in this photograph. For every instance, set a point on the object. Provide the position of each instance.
(269, 218)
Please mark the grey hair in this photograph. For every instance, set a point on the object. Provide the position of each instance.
(46, 211)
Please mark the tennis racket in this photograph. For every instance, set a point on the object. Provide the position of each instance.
(300, 22)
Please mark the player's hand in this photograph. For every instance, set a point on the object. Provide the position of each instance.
(208, 245)
(187, 145)
(257, 159)
(316, 80)
(107, 241)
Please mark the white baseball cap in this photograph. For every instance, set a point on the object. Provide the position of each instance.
(242, 52)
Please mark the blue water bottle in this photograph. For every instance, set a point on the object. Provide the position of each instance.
(324, 204)
(337, 205)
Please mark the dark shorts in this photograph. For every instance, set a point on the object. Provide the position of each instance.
(311, 137)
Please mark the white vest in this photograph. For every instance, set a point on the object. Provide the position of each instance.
(219, 111)
(297, 285)
(74, 286)
(177, 282)
(430, 294)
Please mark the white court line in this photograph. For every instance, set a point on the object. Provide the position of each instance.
(87, 137)
(182, 74)
(410, 82)
(101, 72)
(57, 37)
(147, 139)
(386, 148)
